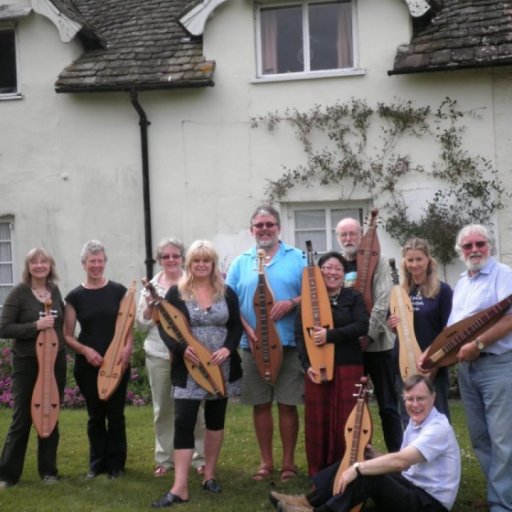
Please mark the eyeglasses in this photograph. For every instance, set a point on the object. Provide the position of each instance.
(261, 225)
(470, 245)
(351, 234)
(329, 268)
(170, 256)
(418, 399)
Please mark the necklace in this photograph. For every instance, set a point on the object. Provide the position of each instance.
(41, 294)
(333, 299)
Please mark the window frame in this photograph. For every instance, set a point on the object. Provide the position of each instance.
(305, 74)
(11, 26)
(10, 222)
(288, 229)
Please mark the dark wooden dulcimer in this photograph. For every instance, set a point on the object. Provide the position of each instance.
(316, 312)
(111, 369)
(267, 349)
(176, 325)
(45, 397)
(367, 261)
(400, 305)
(444, 349)
(358, 433)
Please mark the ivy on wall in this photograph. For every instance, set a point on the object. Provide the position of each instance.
(373, 148)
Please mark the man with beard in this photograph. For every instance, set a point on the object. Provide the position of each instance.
(283, 271)
(486, 363)
(378, 343)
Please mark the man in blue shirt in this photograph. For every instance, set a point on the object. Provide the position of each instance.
(283, 271)
(423, 476)
(486, 363)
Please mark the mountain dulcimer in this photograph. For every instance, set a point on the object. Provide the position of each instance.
(316, 312)
(367, 261)
(400, 305)
(444, 349)
(45, 397)
(176, 325)
(111, 370)
(267, 349)
(358, 433)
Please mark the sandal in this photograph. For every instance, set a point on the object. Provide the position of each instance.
(288, 472)
(160, 471)
(263, 473)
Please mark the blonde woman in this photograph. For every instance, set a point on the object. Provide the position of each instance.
(212, 310)
(170, 254)
(432, 303)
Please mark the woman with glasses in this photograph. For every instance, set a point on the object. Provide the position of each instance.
(170, 254)
(432, 303)
(328, 405)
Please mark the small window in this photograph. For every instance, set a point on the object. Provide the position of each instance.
(306, 36)
(8, 74)
(6, 260)
(318, 224)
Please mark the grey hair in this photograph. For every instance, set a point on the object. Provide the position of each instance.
(266, 209)
(92, 247)
(474, 228)
(415, 379)
(170, 241)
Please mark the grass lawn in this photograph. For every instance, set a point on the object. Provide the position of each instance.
(139, 487)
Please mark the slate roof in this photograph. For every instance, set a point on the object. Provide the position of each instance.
(133, 45)
(463, 34)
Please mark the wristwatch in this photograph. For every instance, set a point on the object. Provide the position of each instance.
(479, 345)
(356, 466)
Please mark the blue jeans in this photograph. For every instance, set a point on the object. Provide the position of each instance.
(485, 390)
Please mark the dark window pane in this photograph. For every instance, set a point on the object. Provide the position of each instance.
(8, 82)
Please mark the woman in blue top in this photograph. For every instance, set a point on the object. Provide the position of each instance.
(432, 303)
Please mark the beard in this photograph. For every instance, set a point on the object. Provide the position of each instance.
(476, 266)
(350, 251)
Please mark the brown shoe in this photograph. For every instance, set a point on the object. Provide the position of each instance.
(289, 499)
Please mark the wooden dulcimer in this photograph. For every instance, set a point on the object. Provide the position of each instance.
(400, 305)
(111, 369)
(267, 349)
(45, 397)
(367, 261)
(444, 349)
(358, 433)
(316, 312)
(176, 325)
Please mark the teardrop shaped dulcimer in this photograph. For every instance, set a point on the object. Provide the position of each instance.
(444, 349)
(358, 433)
(45, 397)
(367, 261)
(176, 325)
(316, 312)
(111, 369)
(400, 305)
(267, 349)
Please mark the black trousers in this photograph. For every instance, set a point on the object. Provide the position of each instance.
(106, 426)
(390, 493)
(24, 376)
(380, 367)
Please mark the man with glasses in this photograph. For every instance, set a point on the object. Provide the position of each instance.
(486, 363)
(283, 271)
(378, 343)
(423, 476)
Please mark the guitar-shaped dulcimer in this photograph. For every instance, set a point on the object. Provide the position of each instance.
(111, 369)
(267, 349)
(367, 261)
(45, 397)
(358, 433)
(176, 325)
(444, 349)
(400, 305)
(316, 312)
